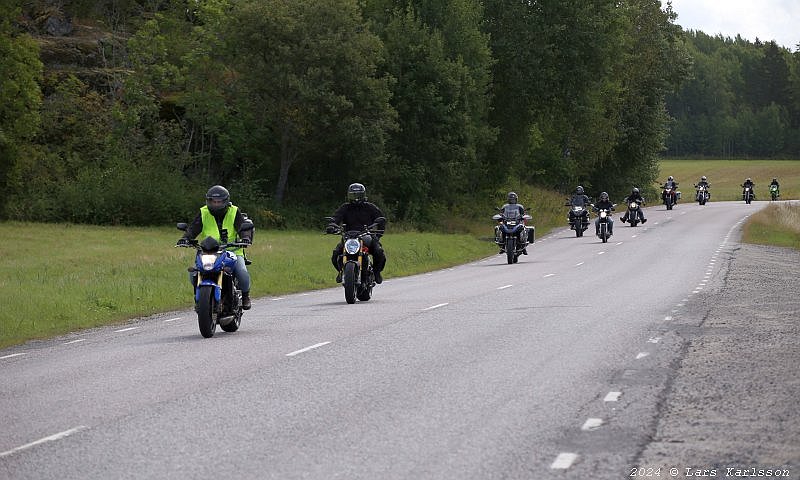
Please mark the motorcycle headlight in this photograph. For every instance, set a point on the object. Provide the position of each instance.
(603, 214)
(577, 209)
(352, 246)
(633, 204)
(208, 261)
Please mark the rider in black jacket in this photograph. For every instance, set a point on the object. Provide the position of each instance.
(357, 213)
(635, 196)
(604, 204)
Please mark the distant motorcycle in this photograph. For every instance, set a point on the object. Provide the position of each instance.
(774, 192)
(702, 195)
(603, 227)
(512, 233)
(358, 277)
(632, 215)
(670, 197)
(217, 297)
(747, 194)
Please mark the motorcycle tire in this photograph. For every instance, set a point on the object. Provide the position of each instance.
(205, 312)
(349, 282)
(604, 233)
(511, 247)
(365, 291)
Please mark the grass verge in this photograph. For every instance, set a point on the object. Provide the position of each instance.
(778, 224)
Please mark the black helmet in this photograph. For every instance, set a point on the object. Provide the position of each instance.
(579, 190)
(356, 193)
(635, 190)
(512, 197)
(604, 196)
(217, 198)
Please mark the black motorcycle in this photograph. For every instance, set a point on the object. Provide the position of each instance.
(748, 195)
(632, 215)
(578, 218)
(358, 278)
(604, 224)
(512, 233)
(702, 194)
(217, 297)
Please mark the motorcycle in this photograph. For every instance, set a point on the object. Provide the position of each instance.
(578, 218)
(632, 215)
(702, 195)
(604, 224)
(670, 197)
(217, 297)
(774, 193)
(512, 233)
(358, 278)
(747, 194)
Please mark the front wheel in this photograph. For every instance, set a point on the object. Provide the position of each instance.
(349, 282)
(511, 247)
(604, 232)
(205, 311)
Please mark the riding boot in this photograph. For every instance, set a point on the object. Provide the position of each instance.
(245, 300)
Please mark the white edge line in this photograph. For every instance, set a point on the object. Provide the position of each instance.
(564, 461)
(172, 319)
(592, 423)
(125, 329)
(612, 397)
(13, 355)
(303, 350)
(435, 306)
(51, 438)
(75, 341)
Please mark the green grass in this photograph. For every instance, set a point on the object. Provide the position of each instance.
(726, 176)
(778, 224)
(63, 278)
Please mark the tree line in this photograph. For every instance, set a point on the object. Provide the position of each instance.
(430, 103)
(741, 101)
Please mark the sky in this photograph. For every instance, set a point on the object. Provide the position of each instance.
(777, 20)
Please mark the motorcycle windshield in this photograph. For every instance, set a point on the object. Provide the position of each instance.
(578, 202)
(511, 213)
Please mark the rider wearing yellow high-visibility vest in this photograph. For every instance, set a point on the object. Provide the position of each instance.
(217, 215)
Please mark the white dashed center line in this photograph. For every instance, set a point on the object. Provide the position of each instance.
(51, 438)
(435, 307)
(564, 460)
(303, 350)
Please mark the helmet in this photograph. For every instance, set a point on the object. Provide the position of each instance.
(356, 193)
(512, 197)
(579, 190)
(774, 179)
(748, 180)
(604, 196)
(703, 178)
(217, 198)
(669, 179)
(635, 190)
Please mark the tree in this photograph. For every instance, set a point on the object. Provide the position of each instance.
(20, 95)
(307, 70)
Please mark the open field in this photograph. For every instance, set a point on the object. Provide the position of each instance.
(726, 176)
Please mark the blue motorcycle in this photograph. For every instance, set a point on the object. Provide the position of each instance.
(217, 298)
(512, 233)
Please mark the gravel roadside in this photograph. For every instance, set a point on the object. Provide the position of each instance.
(732, 409)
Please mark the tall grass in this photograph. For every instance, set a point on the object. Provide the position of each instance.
(778, 224)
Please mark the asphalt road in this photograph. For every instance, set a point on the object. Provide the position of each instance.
(555, 367)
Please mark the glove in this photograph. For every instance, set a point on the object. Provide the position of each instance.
(246, 241)
(182, 242)
(331, 228)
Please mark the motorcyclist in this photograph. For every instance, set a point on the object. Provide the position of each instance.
(670, 183)
(749, 183)
(357, 213)
(704, 183)
(216, 217)
(512, 200)
(635, 196)
(777, 186)
(578, 199)
(604, 204)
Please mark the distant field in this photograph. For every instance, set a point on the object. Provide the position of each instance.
(726, 176)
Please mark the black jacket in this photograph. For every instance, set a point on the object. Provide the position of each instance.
(607, 205)
(634, 197)
(358, 215)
